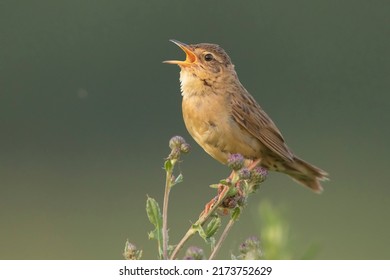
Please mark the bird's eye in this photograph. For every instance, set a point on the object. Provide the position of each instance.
(208, 57)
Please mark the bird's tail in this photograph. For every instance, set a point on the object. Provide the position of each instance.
(306, 174)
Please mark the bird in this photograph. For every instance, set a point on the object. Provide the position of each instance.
(225, 119)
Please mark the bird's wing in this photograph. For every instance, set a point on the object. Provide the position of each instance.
(250, 116)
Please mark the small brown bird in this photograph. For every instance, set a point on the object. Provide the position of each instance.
(225, 119)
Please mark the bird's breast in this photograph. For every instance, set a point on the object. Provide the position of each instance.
(208, 119)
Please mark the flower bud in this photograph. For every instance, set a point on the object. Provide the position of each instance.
(185, 148)
(258, 174)
(250, 249)
(194, 253)
(176, 142)
(241, 201)
(236, 161)
(131, 252)
(230, 202)
(244, 174)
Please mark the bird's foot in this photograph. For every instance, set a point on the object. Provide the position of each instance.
(254, 164)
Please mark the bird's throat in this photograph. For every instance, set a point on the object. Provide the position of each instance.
(191, 84)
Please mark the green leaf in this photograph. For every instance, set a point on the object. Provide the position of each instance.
(155, 217)
(178, 180)
(201, 231)
(208, 234)
(153, 212)
(168, 165)
(198, 228)
(213, 226)
(232, 191)
(236, 213)
(244, 186)
(152, 234)
(224, 182)
(214, 186)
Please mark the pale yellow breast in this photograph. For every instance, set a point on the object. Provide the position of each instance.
(207, 116)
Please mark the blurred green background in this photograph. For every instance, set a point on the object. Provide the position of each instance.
(87, 110)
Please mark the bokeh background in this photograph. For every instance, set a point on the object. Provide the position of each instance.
(87, 110)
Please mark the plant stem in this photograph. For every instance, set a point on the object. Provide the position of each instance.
(222, 238)
(202, 219)
(165, 213)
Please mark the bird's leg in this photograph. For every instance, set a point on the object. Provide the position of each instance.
(254, 164)
(231, 176)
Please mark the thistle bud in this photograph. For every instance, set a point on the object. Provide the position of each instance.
(185, 148)
(176, 142)
(194, 253)
(244, 174)
(250, 249)
(258, 174)
(131, 252)
(230, 202)
(236, 161)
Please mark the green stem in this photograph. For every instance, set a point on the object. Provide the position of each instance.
(222, 238)
(193, 229)
(165, 213)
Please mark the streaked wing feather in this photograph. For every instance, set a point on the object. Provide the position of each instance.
(250, 116)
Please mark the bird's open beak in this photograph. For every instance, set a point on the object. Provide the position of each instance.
(190, 56)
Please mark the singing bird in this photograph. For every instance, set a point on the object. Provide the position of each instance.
(225, 119)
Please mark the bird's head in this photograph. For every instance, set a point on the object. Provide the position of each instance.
(206, 61)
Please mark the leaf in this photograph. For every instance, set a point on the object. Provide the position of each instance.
(232, 191)
(152, 234)
(153, 212)
(224, 182)
(168, 165)
(201, 232)
(155, 217)
(236, 213)
(208, 234)
(199, 229)
(178, 180)
(213, 226)
(245, 186)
